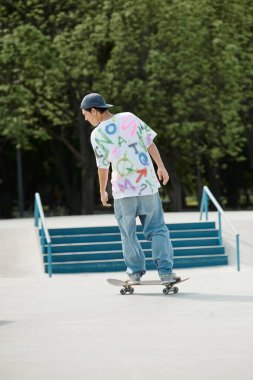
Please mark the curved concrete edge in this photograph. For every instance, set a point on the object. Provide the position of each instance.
(20, 254)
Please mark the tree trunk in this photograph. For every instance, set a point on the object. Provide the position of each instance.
(71, 196)
(250, 146)
(233, 185)
(175, 194)
(198, 184)
(89, 170)
(87, 195)
(6, 185)
(214, 180)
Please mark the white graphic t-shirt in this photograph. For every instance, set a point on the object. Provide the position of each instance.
(122, 141)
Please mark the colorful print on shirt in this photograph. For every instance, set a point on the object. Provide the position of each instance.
(122, 141)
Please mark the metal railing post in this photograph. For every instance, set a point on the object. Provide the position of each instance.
(49, 259)
(45, 237)
(206, 195)
(43, 240)
(36, 214)
(238, 252)
(219, 222)
(201, 206)
(206, 205)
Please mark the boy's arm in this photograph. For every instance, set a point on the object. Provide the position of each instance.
(103, 179)
(161, 171)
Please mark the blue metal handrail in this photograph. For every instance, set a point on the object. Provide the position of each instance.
(45, 237)
(206, 195)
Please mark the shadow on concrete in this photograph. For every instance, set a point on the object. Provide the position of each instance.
(216, 297)
(199, 297)
(2, 323)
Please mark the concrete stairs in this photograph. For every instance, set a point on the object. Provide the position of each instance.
(99, 249)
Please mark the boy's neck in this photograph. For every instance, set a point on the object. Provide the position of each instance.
(105, 116)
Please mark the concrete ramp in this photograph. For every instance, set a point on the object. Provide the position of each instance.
(19, 249)
(243, 223)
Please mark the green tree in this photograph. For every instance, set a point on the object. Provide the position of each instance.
(196, 84)
(185, 67)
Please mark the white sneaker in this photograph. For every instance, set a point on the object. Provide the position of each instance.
(135, 279)
(169, 278)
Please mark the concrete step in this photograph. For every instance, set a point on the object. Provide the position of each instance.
(119, 265)
(110, 237)
(112, 246)
(115, 255)
(98, 249)
(115, 229)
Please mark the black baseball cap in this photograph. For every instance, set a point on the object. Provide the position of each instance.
(94, 100)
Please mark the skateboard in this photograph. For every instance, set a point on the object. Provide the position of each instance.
(129, 288)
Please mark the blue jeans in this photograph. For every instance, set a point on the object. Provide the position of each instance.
(149, 209)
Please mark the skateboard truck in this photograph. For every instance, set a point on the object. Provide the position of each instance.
(127, 289)
(170, 288)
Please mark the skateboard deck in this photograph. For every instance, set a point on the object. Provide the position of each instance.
(129, 288)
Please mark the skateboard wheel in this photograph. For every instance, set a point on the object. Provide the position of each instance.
(122, 291)
(175, 290)
(165, 291)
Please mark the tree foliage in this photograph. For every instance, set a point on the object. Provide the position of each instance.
(185, 67)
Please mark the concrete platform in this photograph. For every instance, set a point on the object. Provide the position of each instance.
(80, 327)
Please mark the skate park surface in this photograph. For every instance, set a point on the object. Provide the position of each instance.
(80, 327)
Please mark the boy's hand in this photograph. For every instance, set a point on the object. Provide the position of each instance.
(163, 175)
(104, 199)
